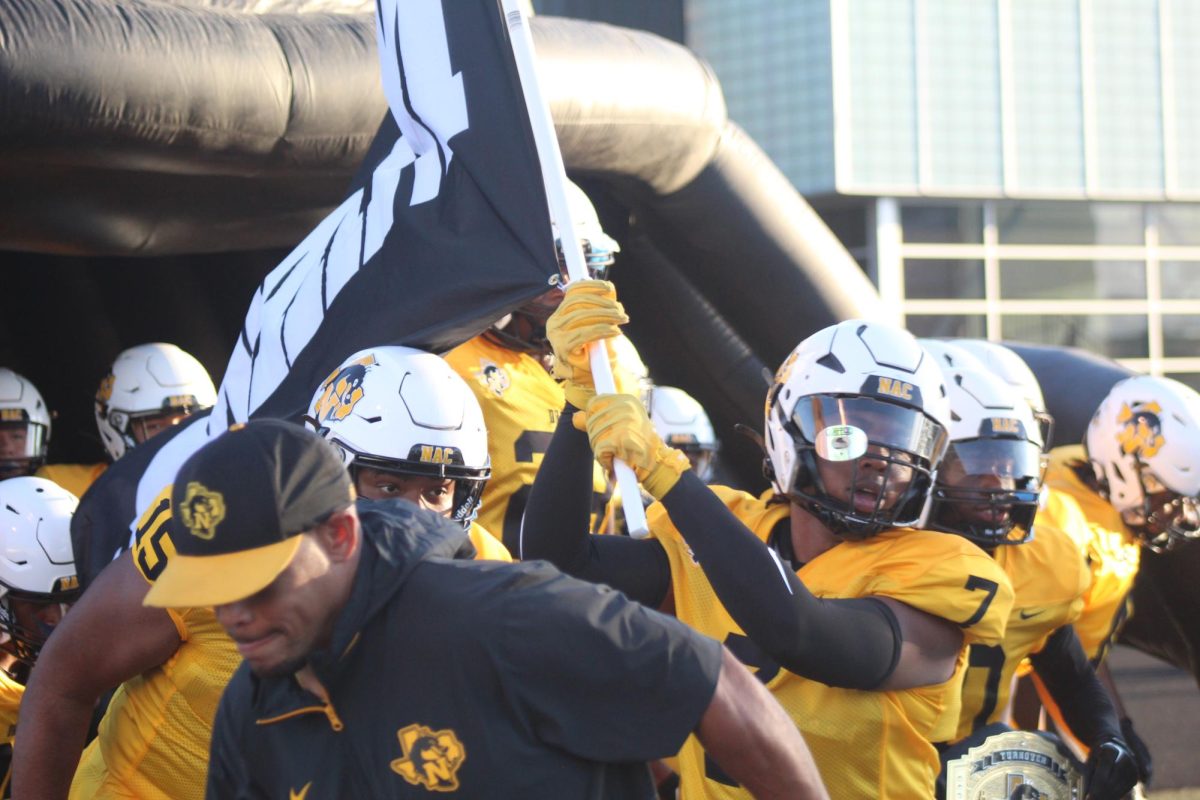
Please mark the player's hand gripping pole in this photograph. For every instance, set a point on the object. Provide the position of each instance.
(555, 176)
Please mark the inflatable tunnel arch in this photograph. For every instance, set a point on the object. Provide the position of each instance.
(147, 132)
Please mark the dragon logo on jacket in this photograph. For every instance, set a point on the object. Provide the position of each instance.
(431, 758)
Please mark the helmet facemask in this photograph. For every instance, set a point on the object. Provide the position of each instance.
(598, 257)
(1045, 423)
(700, 456)
(22, 641)
(1164, 519)
(469, 482)
(524, 329)
(135, 428)
(987, 490)
(22, 447)
(862, 465)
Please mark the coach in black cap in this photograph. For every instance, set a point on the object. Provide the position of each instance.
(380, 663)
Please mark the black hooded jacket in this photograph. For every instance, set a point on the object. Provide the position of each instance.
(486, 679)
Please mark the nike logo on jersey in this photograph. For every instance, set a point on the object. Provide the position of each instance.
(1031, 612)
(300, 795)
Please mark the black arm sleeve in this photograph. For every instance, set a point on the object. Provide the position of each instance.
(851, 643)
(555, 526)
(1086, 707)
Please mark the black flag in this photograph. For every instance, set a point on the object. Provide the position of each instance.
(445, 229)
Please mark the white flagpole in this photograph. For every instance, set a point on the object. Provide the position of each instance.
(555, 177)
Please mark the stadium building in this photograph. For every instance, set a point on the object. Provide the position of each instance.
(1017, 169)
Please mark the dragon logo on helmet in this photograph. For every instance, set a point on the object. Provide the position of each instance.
(1141, 429)
(343, 390)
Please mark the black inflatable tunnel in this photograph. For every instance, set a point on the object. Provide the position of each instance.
(150, 133)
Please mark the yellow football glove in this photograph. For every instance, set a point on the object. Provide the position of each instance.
(618, 427)
(588, 313)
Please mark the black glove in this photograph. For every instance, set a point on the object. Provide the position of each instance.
(1110, 772)
(1141, 753)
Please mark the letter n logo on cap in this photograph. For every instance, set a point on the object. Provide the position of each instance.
(202, 510)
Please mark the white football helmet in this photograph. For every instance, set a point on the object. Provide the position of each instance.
(1144, 446)
(630, 372)
(24, 426)
(525, 328)
(406, 411)
(681, 422)
(1013, 370)
(599, 248)
(856, 424)
(149, 381)
(37, 563)
(988, 482)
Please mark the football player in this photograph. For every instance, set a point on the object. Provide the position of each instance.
(407, 427)
(37, 582)
(150, 387)
(987, 491)
(854, 619)
(1108, 560)
(681, 423)
(24, 426)
(507, 367)
(1134, 481)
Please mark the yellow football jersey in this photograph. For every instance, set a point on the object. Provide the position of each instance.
(11, 693)
(1049, 578)
(153, 740)
(75, 478)
(487, 547)
(521, 404)
(1111, 551)
(866, 744)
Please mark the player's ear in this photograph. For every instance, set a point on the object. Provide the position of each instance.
(339, 534)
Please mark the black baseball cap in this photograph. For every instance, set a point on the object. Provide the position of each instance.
(238, 506)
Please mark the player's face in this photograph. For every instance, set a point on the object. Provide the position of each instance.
(869, 482)
(147, 426)
(277, 628)
(37, 619)
(529, 322)
(701, 461)
(13, 439)
(434, 494)
(867, 452)
(542, 306)
(953, 474)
